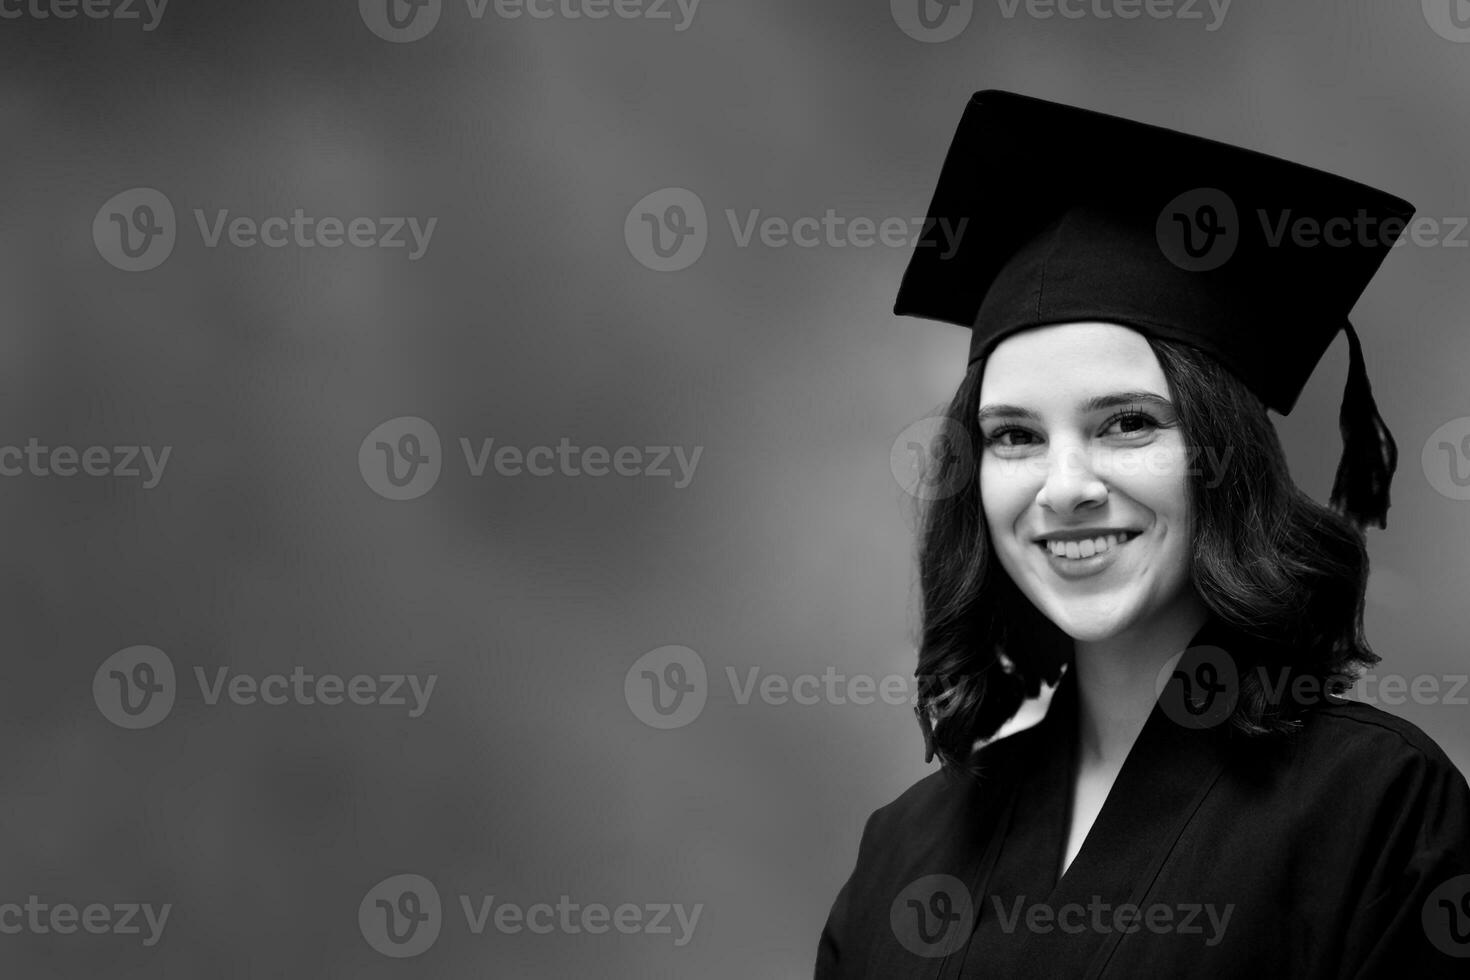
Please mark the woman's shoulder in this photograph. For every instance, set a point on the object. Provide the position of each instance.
(1366, 746)
(1365, 731)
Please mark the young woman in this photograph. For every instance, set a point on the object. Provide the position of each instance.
(1197, 801)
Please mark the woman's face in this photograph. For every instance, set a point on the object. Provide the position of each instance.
(1081, 442)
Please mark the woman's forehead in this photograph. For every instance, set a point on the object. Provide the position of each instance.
(1072, 358)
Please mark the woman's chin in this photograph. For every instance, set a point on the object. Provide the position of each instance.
(1088, 625)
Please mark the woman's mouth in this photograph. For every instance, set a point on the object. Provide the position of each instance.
(1084, 556)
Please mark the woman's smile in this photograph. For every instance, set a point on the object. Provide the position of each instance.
(1083, 557)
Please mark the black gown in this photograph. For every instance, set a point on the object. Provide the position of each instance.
(1338, 851)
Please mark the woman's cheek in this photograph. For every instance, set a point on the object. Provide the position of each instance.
(1001, 501)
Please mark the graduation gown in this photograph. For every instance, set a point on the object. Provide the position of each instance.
(1332, 852)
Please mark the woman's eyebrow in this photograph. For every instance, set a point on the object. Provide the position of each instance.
(1095, 404)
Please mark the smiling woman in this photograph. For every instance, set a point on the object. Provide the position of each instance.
(1197, 800)
(1045, 521)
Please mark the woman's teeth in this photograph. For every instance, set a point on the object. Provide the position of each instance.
(1086, 548)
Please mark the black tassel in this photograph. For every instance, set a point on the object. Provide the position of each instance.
(928, 731)
(1369, 454)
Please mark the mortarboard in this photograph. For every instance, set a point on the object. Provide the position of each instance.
(1045, 213)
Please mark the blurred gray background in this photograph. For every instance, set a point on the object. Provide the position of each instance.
(530, 319)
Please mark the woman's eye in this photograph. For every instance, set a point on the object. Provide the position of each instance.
(1133, 423)
(1003, 437)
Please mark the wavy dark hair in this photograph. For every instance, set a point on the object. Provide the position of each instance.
(1282, 572)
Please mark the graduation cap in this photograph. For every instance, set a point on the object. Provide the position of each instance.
(1046, 213)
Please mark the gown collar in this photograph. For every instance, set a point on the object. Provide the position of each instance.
(1166, 775)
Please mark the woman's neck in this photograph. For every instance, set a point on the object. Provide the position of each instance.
(1116, 679)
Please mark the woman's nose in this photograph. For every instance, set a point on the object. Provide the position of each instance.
(1071, 481)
